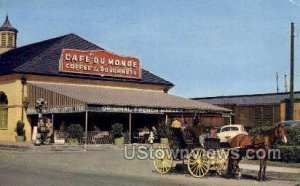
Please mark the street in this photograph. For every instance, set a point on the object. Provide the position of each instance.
(104, 167)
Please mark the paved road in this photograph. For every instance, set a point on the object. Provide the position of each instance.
(106, 167)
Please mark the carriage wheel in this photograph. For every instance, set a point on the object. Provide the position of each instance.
(163, 159)
(221, 167)
(222, 164)
(198, 163)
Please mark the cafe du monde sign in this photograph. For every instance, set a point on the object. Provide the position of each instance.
(99, 63)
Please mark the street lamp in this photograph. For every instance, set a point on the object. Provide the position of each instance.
(41, 129)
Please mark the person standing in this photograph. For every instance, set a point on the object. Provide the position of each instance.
(49, 126)
(196, 121)
(176, 124)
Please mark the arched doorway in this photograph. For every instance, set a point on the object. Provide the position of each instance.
(3, 110)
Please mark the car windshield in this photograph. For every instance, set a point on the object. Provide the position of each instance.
(234, 128)
(225, 129)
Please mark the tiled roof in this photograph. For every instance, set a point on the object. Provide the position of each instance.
(126, 97)
(42, 58)
(254, 99)
(7, 26)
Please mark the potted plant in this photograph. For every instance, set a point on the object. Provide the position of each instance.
(117, 132)
(74, 133)
(162, 133)
(20, 131)
(59, 136)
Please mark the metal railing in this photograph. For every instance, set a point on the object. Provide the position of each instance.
(99, 137)
(93, 137)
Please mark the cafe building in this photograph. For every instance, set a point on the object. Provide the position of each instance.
(82, 83)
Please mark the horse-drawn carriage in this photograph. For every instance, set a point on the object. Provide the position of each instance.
(202, 157)
(186, 147)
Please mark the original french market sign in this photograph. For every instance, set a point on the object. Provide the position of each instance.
(100, 63)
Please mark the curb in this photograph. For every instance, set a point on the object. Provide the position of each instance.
(15, 146)
(66, 147)
(57, 148)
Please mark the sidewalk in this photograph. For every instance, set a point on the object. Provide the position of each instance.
(271, 168)
(15, 145)
(29, 146)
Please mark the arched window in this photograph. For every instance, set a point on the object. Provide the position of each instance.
(3, 110)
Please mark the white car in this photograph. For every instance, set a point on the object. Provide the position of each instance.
(229, 131)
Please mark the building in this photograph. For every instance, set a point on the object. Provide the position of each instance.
(256, 109)
(83, 83)
(8, 36)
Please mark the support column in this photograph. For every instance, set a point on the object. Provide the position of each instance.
(23, 82)
(52, 119)
(166, 119)
(129, 140)
(86, 127)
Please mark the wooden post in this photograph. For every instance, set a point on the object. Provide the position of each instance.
(129, 140)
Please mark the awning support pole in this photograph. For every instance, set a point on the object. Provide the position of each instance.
(166, 118)
(52, 119)
(129, 135)
(86, 128)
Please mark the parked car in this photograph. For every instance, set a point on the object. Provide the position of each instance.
(229, 131)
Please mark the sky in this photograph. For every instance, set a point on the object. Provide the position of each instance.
(205, 47)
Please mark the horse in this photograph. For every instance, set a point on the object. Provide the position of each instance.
(260, 143)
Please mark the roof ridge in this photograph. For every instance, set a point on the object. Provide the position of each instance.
(38, 56)
(59, 37)
(171, 84)
(36, 43)
(53, 45)
(86, 40)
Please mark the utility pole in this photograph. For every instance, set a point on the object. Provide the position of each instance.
(277, 87)
(285, 83)
(291, 109)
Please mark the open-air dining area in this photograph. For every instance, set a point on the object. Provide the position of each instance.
(99, 128)
(101, 115)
